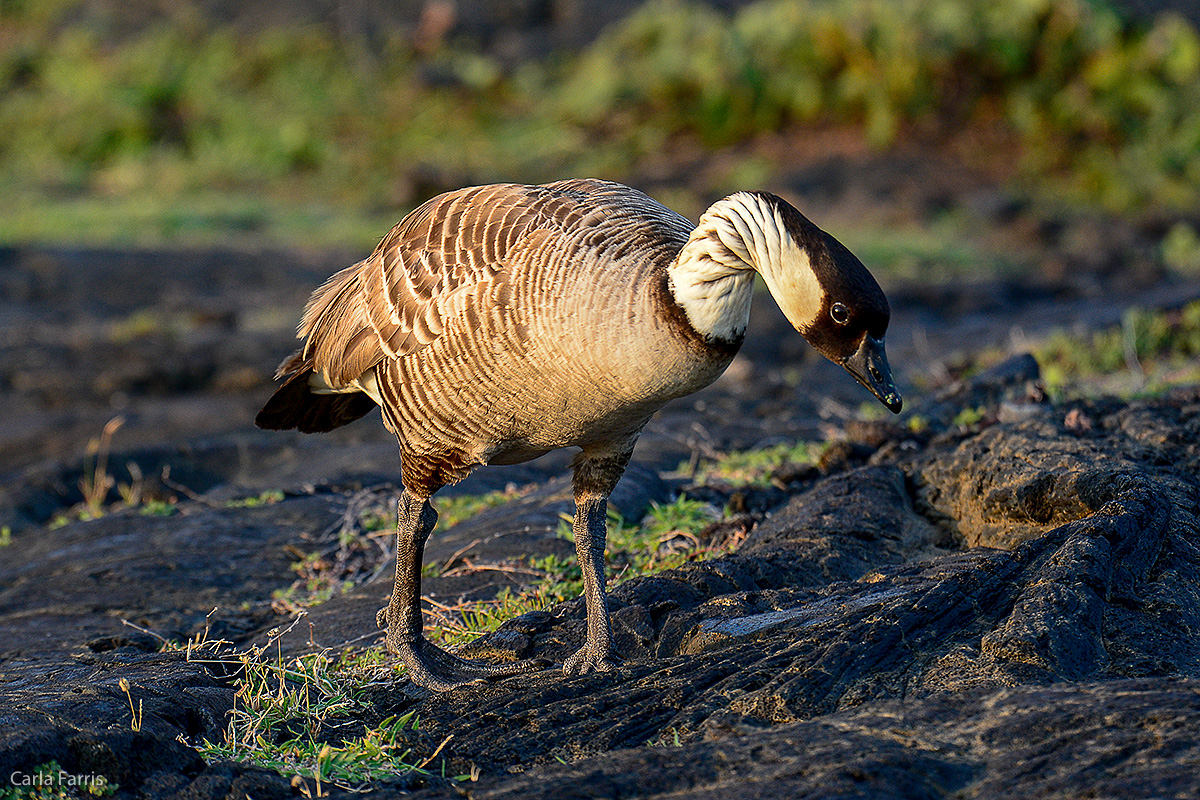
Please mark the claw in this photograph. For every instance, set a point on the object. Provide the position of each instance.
(433, 668)
(586, 659)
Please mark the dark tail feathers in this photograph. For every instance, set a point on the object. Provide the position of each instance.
(294, 406)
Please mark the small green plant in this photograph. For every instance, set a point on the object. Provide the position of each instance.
(96, 483)
(969, 417)
(269, 497)
(559, 571)
(377, 519)
(459, 624)
(320, 579)
(297, 717)
(870, 411)
(681, 514)
(142, 323)
(347, 554)
(1181, 249)
(5, 536)
(754, 467)
(664, 539)
(1148, 349)
(668, 738)
(157, 508)
(459, 508)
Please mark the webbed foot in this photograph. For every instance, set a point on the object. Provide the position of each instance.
(438, 670)
(591, 659)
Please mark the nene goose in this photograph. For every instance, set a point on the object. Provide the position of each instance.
(497, 323)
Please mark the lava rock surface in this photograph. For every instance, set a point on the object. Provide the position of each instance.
(1003, 610)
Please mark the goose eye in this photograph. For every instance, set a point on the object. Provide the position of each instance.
(840, 314)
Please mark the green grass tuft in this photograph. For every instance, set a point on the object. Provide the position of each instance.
(266, 498)
(665, 538)
(459, 508)
(299, 718)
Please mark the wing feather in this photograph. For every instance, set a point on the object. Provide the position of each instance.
(427, 269)
(455, 257)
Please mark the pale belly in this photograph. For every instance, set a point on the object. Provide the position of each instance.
(600, 415)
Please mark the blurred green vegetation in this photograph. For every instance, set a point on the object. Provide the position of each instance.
(1111, 107)
(1146, 354)
(752, 467)
(180, 130)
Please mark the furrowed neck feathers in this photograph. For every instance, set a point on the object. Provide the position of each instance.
(712, 278)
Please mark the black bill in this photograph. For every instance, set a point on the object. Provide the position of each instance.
(869, 366)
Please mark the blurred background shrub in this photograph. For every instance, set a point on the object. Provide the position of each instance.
(1113, 105)
(253, 123)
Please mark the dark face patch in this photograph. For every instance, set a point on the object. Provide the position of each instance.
(844, 280)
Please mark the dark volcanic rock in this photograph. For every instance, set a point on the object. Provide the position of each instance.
(1116, 739)
(74, 711)
(1006, 609)
(213, 568)
(1097, 582)
(760, 651)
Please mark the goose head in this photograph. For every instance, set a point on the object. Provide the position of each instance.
(822, 288)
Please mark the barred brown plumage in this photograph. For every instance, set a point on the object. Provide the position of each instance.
(496, 323)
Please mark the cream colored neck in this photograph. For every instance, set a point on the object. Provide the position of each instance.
(713, 276)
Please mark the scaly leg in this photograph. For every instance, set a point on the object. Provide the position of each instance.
(428, 665)
(594, 480)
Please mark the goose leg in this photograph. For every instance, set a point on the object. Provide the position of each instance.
(594, 480)
(428, 665)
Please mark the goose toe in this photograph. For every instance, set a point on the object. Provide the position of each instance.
(586, 659)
